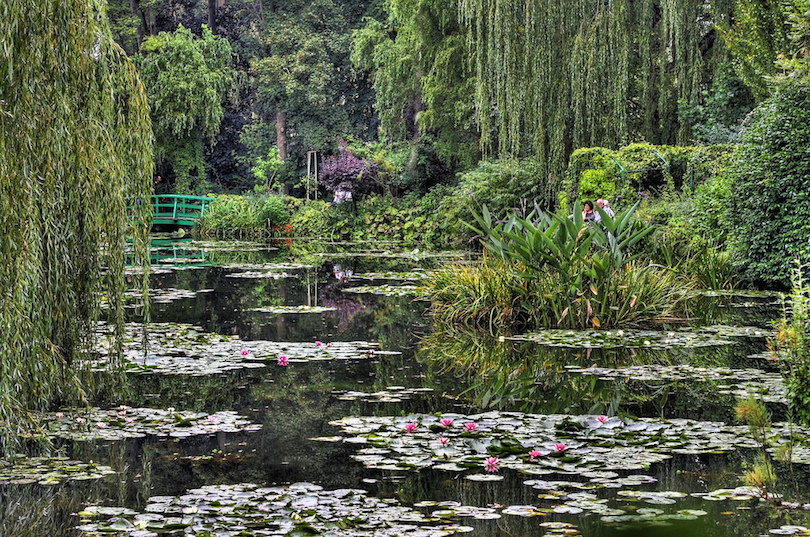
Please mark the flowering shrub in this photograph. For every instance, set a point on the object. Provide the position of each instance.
(347, 173)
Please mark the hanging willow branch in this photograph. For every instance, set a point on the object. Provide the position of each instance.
(75, 150)
(554, 75)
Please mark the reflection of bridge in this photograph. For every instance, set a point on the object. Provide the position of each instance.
(174, 209)
(177, 252)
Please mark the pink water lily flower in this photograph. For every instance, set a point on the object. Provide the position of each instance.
(318, 343)
(128, 420)
(601, 419)
(446, 422)
(560, 447)
(60, 414)
(471, 426)
(212, 419)
(491, 464)
(444, 440)
(101, 425)
(533, 454)
(122, 412)
(80, 420)
(411, 427)
(245, 352)
(282, 360)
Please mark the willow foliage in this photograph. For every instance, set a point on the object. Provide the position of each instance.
(554, 75)
(75, 149)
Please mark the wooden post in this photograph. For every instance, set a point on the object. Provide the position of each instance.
(312, 163)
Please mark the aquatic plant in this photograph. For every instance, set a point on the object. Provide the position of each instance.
(298, 509)
(551, 270)
(791, 346)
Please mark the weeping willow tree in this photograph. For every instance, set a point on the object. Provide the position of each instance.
(75, 149)
(554, 75)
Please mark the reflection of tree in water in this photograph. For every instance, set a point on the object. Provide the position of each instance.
(347, 306)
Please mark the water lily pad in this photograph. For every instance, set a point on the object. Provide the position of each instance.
(627, 338)
(260, 275)
(567, 444)
(182, 349)
(294, 309)
(298, 509)
(49, 470)
(765, 386)
(127, 422)
(386, 290)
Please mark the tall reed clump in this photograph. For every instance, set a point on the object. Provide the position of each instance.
(256, 216)
(556, 270)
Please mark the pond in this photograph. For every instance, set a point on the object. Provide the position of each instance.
(299, 390)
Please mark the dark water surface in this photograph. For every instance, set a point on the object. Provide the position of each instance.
(466, 374)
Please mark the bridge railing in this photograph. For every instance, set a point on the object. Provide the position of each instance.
(178, 209)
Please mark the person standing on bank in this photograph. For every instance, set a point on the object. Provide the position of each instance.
(588, 214)
(606, 207)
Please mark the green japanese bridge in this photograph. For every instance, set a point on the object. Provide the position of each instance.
(174, 209)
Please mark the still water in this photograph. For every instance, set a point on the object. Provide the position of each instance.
(409, 373)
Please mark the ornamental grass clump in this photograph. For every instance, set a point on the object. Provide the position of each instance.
(556, 270)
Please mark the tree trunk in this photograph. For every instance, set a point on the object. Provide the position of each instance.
(281, 134)
(135, 8)
(281, 142)
(261, 9)
(212, 15)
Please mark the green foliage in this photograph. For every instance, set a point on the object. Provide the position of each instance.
(75, 150)
(413, 220)
(254, 216)
(792, 346)
(304, 78)
(755, 34)
(503, 185)
(187, 79)
(417, 60)
(770, 188)
(713, 209)
(267, 168)
(595, 184)
(647, 169)
(312, 219)
(686, 242)
(717, 116)
(551, 77)
(562, 271)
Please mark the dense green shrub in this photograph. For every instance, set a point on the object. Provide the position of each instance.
(713, 208)
(254, 216)
(640, 170)
(686, 241)
(312, 219)
(412, 220)
(503, 185)
(595, 184)
(771, 187)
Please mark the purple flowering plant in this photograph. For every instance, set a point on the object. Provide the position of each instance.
(347, 172)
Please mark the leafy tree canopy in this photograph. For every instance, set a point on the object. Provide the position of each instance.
(187, 79)
(75, 150)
